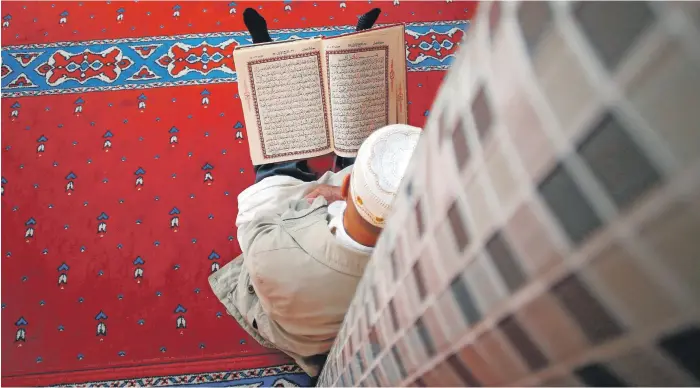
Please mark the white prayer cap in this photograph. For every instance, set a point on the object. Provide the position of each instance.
(379, 167)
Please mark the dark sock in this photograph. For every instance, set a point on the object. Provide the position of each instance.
(367, 20)
(341, 162)
(256, 26)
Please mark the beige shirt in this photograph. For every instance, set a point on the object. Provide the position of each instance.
(291, 287)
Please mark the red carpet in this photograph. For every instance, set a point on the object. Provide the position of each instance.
(94, 278)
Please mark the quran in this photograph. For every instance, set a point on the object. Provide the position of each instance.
(306, 98)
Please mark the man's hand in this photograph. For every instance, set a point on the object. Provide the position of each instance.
(330, 193)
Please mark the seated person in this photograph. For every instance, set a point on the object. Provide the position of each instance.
(306, 242)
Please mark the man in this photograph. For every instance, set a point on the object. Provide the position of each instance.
(306, 243)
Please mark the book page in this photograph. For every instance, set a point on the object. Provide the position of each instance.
(283, 95)
(366, 80)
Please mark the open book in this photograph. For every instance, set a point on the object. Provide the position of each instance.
(306, 98)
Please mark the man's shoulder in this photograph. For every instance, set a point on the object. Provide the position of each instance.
(300, 218)
(300, 209)
(301, 238)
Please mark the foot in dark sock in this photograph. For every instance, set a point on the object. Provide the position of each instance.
(256, 26)
(367, 20)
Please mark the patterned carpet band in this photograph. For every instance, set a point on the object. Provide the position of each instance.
(192, 59)
(278, 376)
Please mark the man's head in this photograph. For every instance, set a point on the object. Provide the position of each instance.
(370, 189)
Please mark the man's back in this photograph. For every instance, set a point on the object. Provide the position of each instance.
(295, 280)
